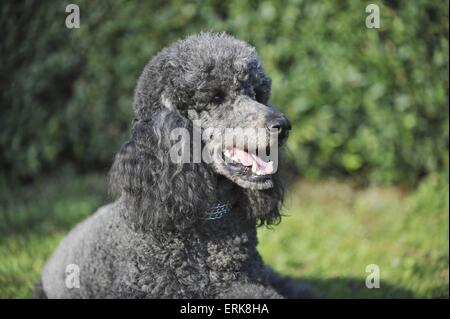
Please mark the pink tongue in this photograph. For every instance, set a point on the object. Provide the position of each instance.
(252, 160)
(245, 158)
(263, 167)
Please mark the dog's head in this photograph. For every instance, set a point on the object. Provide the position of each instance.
(211, 91)
(217, 82)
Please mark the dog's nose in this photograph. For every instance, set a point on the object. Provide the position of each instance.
(280, 125)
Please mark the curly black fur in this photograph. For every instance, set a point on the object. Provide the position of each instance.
(154, 241)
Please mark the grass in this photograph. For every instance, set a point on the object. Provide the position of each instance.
(332, 231)
(32, 222)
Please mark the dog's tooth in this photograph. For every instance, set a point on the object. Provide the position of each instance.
(227, 153)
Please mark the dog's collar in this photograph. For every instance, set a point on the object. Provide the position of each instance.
(218, 210)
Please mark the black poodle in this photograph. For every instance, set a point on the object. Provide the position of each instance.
(185, 229)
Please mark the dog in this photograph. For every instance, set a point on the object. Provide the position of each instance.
(185, 229)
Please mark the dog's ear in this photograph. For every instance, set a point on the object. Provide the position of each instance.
(161, 88)
(158, 191)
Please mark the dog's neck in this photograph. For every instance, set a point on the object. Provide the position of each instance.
(226, 199)
(226, 189)
(234, 222)
(243, 210)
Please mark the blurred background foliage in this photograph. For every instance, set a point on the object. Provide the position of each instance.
(366, 103)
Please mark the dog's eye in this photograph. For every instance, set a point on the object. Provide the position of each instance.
(217, 99)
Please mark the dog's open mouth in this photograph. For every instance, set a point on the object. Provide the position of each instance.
(247, 163)
(247, 168)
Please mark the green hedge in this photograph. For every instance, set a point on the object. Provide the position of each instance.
(363, 102)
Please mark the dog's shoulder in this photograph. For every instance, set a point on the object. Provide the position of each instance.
(77, 250)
